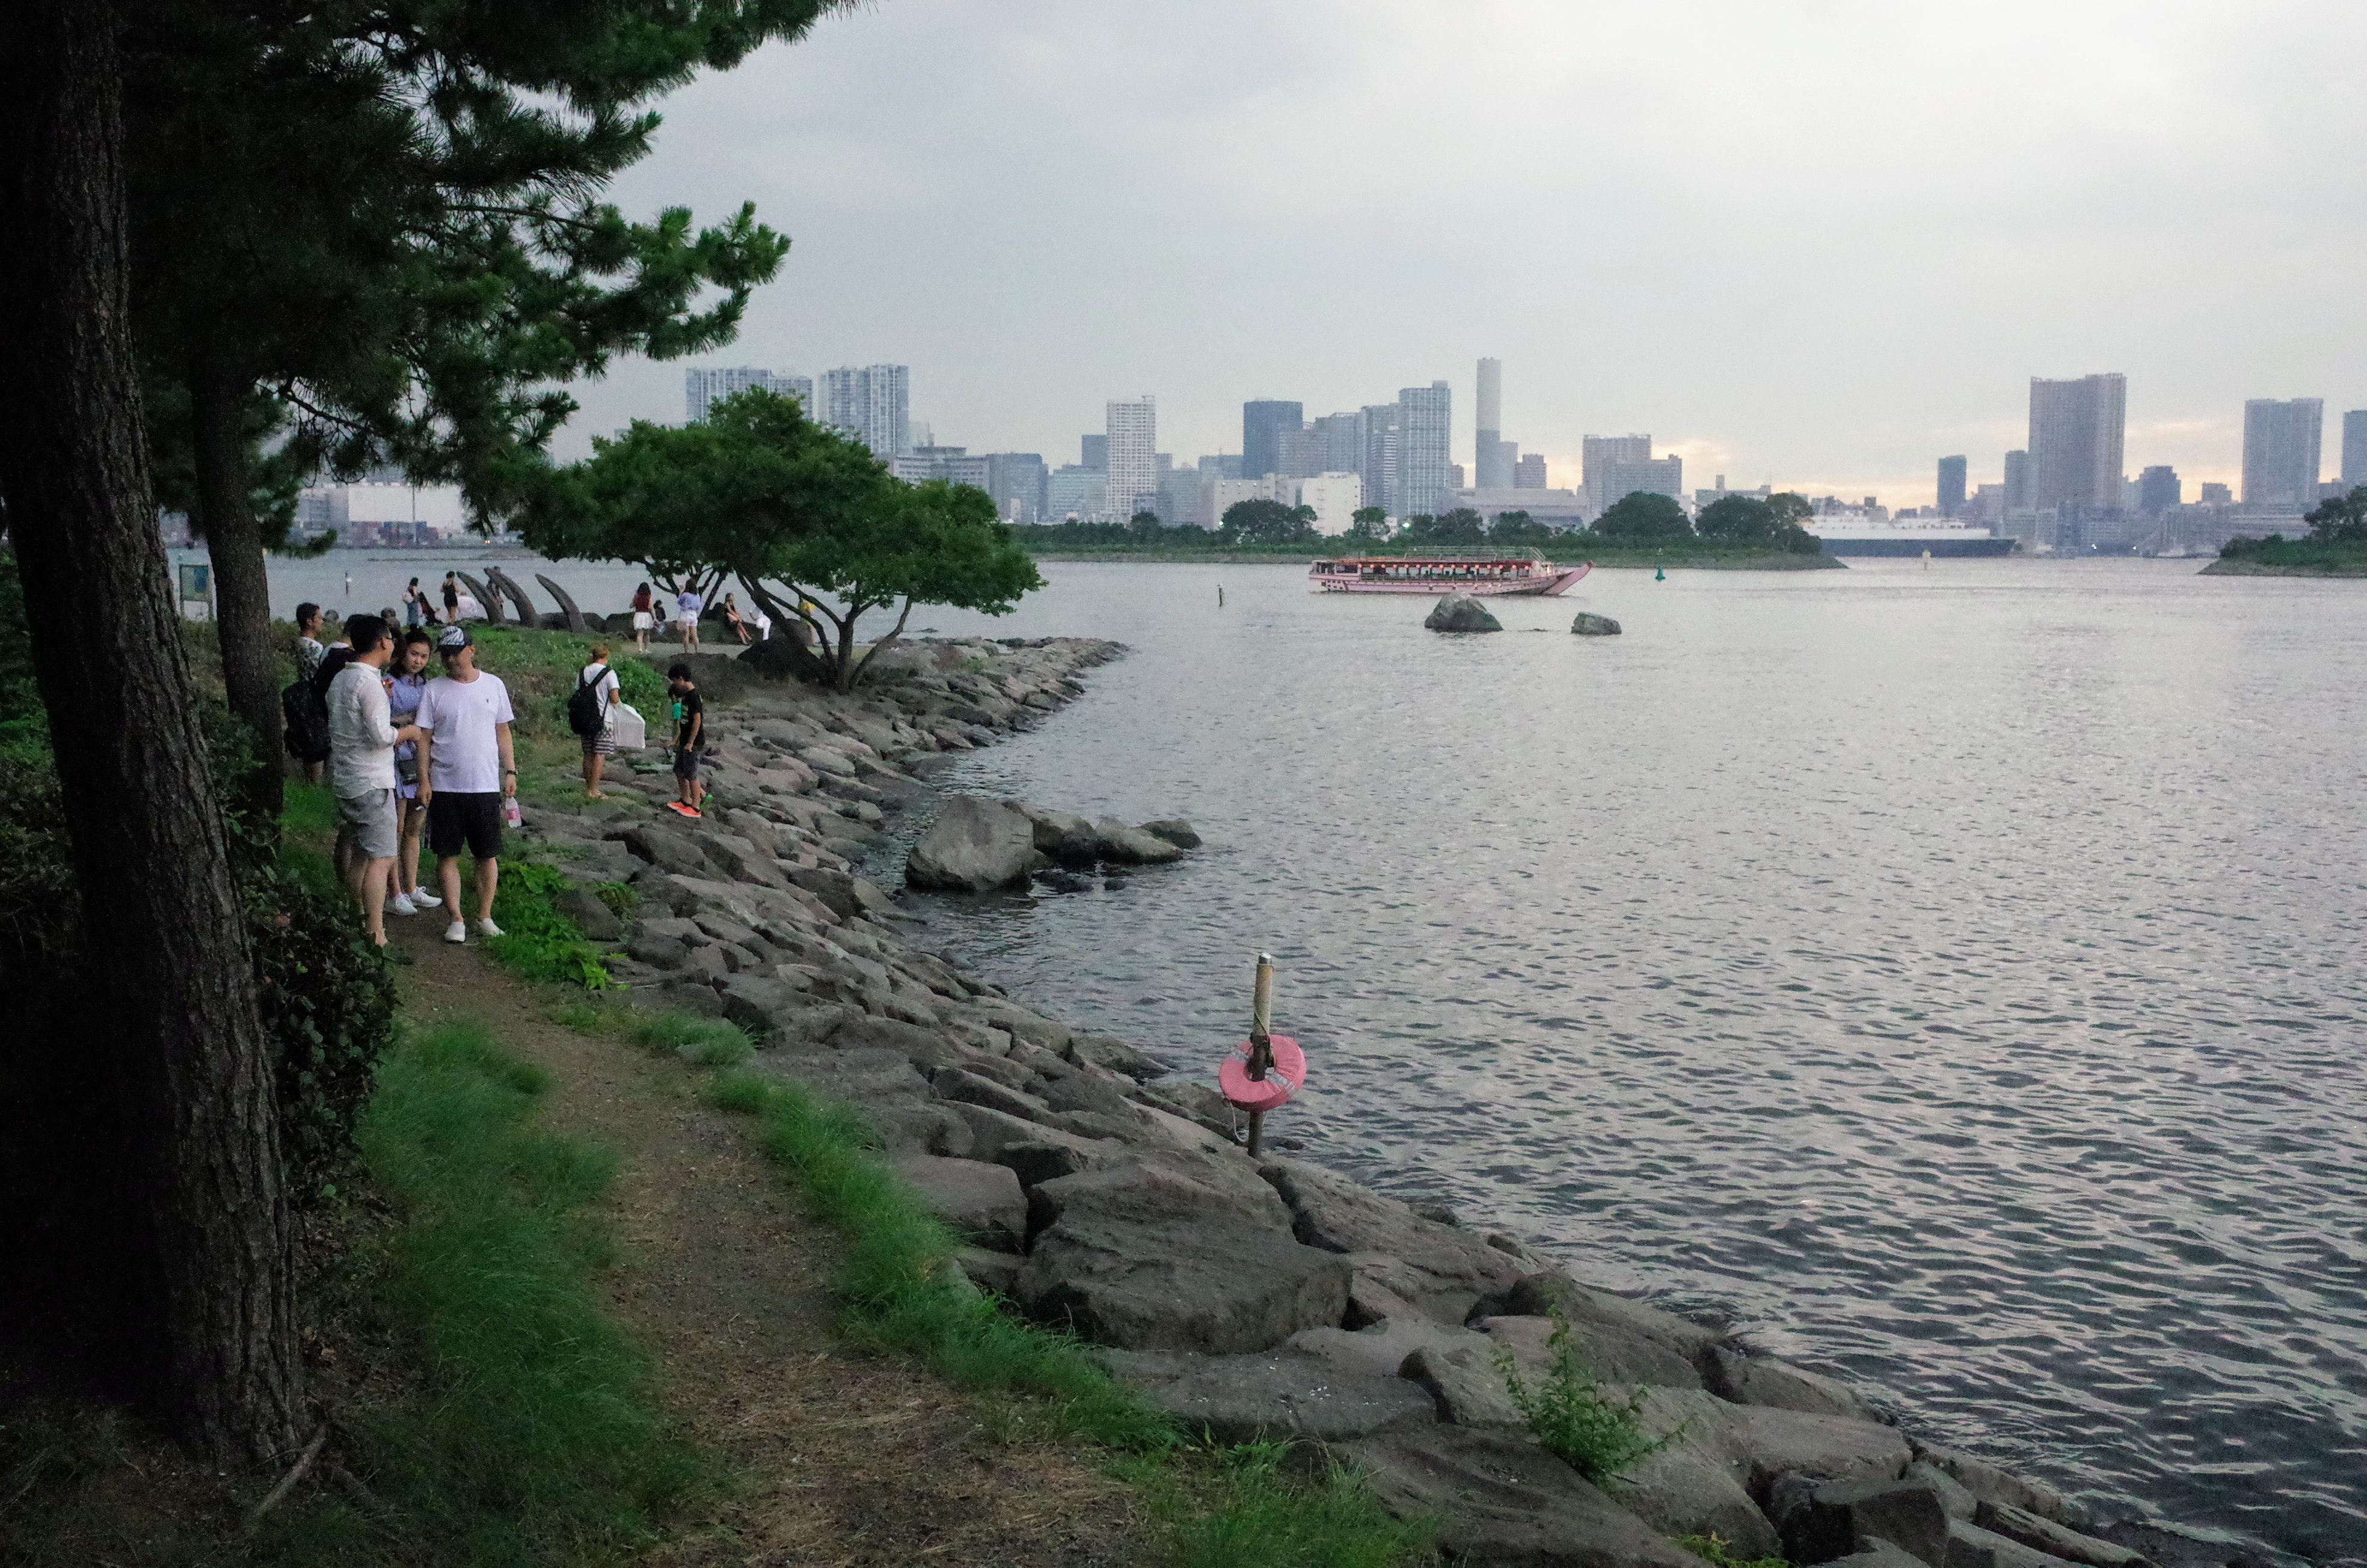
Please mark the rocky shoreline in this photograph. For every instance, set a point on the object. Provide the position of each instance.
(1097, 1190)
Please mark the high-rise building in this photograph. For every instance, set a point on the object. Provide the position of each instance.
(1074, 491)
(1617, 478)
(1095, 449)
(1016, 480)
(1596, 453)
(1951, 486)
(2280, 451)
(2017, 481)
(1529, 472)
(1492, 456)
(2158, 490)
(2354, 449)
(1425, 454)
(1340, 443)
(703, 386)
(1297, 454)
(1133, 464)
(2076, 429)
(1379, 465)
(1334, 497)
(872, 403)
(2216, 495)
(1262, 422)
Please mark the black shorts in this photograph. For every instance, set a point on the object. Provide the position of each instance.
(685, 763)
(474, 819)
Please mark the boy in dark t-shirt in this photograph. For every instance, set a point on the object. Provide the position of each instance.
(689, 730)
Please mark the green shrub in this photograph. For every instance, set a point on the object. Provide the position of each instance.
(621, 897)
(525, 1427)
(1569, 1415)
(538, 942)
(1714, 1550)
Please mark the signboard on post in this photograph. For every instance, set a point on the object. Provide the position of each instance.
(197, 587)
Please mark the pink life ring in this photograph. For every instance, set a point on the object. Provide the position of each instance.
(1273, 1092)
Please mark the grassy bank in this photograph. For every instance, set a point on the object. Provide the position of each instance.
(2289, 558)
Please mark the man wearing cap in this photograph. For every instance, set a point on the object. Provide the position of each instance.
(362, 739)
(465, 767)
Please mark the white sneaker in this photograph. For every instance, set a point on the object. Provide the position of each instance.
(455, 931)
(487, 928)
(401, 905)
(424, 898)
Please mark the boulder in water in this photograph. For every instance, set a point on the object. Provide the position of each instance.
(1462, 612)
(976, 845)
(1588, 624)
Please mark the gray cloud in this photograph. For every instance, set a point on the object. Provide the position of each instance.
(1821, 241)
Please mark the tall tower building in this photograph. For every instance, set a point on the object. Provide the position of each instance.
(872, 403)
(1262, 422)
(2354, 449)
(1493, 457)
(1597, 454)
(1425, 457)
(1133, 457)
(2158, 490)
(1379, 465)
(1951, 486)
(2077, 434)
(704, 385)
(2017, 481)
(2280, 451)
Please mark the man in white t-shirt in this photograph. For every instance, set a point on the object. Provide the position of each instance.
(689, 603)
(362, 739)
(465, 769)
(601, 744)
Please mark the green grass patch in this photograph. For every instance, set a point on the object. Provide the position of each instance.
(525, 1431)
(1569, 1415)
(1714, 1550)
(538, 942)
(899, 1290)
(702, 1042)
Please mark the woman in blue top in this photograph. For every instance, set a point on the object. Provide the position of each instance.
(407, 679)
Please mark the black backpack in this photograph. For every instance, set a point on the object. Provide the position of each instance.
(307, 713)
(587, 710)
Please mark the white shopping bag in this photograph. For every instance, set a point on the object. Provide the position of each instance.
(632, 731)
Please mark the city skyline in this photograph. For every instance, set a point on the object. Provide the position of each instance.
(2145, 194)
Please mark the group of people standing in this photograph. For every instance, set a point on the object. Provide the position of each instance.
(413, 755)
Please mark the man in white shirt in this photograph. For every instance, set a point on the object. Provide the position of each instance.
(362, 739)
(689, 603)
(465, 767)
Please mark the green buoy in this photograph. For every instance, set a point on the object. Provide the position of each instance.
(1659, 576)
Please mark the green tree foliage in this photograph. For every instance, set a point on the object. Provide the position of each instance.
(800, 514)
(1643, 517)
(1773, 524)
(2340, 519)
(375, 233)
(1267, 523)
(1460, 526)
(1518, 528)
(1367, 522)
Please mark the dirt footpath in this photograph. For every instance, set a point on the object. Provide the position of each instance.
(844, 1458)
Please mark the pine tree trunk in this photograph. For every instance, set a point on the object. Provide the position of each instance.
(149, 851)
(241, 588)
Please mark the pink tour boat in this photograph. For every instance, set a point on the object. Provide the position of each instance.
(1478, 572)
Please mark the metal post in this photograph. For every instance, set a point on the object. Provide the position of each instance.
(1260, 1041)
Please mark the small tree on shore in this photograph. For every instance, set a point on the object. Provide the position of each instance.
(1369, 522)
(1262, 522)
(1644, 517)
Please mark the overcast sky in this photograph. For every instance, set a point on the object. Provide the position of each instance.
(1820, 243)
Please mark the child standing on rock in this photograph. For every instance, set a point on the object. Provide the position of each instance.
(689, 729)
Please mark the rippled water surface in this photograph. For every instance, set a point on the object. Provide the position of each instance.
(1952, 976)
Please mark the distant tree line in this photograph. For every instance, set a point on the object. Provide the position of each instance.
(1642, 519)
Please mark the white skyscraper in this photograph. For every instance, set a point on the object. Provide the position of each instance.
(873, 404)
(1133, 457)
(703, 386)
(1425, 450)
(2281, 451)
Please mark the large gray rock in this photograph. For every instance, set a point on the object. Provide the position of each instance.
(2056, 1539)
(980, 1202)
(1761, 1380)
(1281, 1395)
(1439, 1268)
(1173, 1258)
(1588, 624)
(1623, 1340)
(1175, 830)
(1464, 1385)
(666, 849)
(1107, 1051)
(1990, 1483)
(1837, 1517)
(1969, 1546)
(1768, 1442)
(1035, 1153)
(846, 896)
(1461, 613)
(1125, 845)
(1505, 1503)
(975, 846)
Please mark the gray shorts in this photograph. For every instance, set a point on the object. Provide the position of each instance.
(370, 817)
